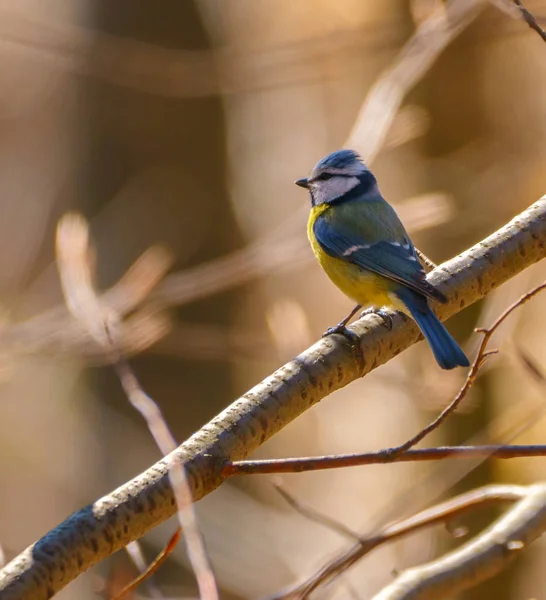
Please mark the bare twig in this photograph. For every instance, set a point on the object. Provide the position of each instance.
(315, 516)
(479, 559)
(77, 282)
(482, 355)
(152, 568)
(143, 503)
(530, 19)
(134, 551)
(413, 62)
(338, 461)
(56, 331)
(443, 512)
(340, 563)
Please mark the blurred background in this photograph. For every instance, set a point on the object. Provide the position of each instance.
(184, 123)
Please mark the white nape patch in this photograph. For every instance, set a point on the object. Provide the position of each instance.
(353, 249)
(331, 189)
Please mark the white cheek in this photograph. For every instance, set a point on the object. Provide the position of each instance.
(329, 190)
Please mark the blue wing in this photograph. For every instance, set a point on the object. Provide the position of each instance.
(395, 260)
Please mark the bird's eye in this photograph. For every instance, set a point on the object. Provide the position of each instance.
(324, 176)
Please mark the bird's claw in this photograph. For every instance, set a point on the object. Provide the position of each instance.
(342, 330)
(385, 316)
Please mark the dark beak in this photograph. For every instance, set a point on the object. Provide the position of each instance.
(304, 183)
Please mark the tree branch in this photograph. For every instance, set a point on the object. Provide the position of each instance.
(530, 19)
(113, 521)
(393, 454)
(275, 466)
(478, 560)
(439, 513)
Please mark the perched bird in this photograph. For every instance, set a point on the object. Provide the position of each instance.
(360, 242)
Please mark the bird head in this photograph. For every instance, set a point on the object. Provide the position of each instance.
(334, 176)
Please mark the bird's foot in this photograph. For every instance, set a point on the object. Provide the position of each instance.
(341, 329)
(385, 316)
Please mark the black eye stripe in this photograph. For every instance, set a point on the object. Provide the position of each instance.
(323, 177)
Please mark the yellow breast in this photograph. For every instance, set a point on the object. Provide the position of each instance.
(364, 287)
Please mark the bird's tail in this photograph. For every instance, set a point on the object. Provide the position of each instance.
(444, 347)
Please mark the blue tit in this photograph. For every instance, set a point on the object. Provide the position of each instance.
(360, 242)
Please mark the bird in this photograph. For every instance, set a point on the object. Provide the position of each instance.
(361, 244)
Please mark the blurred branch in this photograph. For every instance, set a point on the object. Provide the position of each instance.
(134, 551)
(314, 515)
(146, 572)
(372, 127)
(52, 331)
(480, 558)
(440, 513)
(145, 287)
(55, 331)
(183, 73)
(414, 60)
(77, 277)
(97, 531)
(530, 19)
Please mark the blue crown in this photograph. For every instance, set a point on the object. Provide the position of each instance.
(340, 159)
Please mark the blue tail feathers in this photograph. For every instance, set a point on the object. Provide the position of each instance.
(444, 347)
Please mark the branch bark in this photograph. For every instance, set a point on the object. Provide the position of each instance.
(113, 521)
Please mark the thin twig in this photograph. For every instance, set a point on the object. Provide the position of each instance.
(339, 564)
(477, 560)
(530, 19)
(152, 568)
(443, 512)
(134, 551)
(315, 516)
(482, 355)
(76, 276)
(277, 466)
